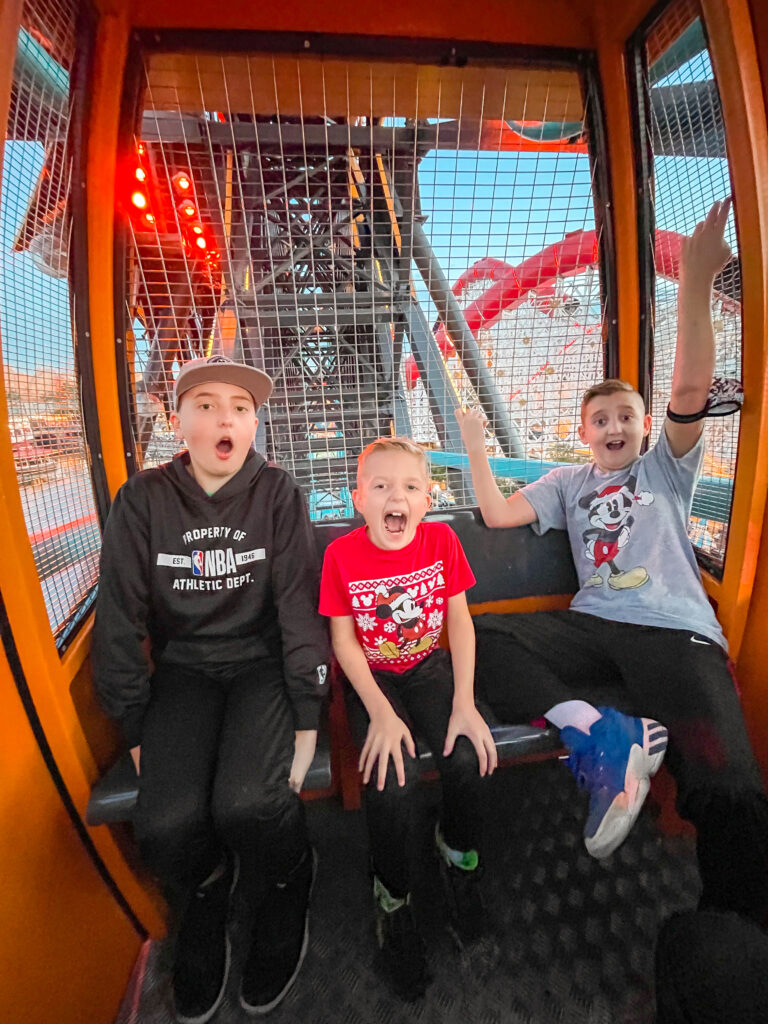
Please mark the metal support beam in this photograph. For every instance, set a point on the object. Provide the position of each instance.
(450, 312)
(443, 399)
(390, 351)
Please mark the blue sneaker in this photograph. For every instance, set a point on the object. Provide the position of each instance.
(614, 763)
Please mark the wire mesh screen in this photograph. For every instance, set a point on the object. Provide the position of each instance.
(690, 171)
(38, 343)
(386, 240)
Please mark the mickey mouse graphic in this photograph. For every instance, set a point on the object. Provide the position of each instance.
(410, 623)
(609, 513)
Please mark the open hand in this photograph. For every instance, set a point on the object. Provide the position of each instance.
(470, 723)
(386, 734)
(706, 252)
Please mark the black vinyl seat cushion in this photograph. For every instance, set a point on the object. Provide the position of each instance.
(114, 795)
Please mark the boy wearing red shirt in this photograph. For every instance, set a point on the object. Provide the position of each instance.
(388, 587)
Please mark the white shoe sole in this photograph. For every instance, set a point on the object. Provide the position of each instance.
(209, 1013)
(642, 764)
(203, 1018)
(261, 1011)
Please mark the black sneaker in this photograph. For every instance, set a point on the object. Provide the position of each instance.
(402, 951)
(202, 955)
(280, 939)
(466, 908)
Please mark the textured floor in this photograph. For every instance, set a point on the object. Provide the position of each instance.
(576, 936)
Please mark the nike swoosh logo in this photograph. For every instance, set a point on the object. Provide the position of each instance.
(694, 640)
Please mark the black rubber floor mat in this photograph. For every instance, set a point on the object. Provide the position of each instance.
(575, 936)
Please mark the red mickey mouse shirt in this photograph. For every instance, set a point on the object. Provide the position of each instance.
(398, 599)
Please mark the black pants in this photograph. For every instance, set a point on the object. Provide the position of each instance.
(215, 761)
(526, 663)
(423, 698)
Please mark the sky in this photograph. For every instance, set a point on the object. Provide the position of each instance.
(507, 205)
(34, 308)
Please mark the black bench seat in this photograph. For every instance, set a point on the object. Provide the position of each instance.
(508, 564)
(114, 795)
(513, 743)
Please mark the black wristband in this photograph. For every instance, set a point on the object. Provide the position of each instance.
(726, 396)
(691, 417)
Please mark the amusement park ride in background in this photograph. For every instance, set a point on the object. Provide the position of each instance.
(290, 242)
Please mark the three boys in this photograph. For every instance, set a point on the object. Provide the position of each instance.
(196, 559)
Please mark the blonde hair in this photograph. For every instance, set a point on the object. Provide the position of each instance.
(392, 444)
(607, 387)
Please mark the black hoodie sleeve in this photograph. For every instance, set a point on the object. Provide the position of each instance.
(120, 665)
(295, 583)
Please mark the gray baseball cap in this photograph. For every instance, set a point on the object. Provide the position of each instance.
(221, 370)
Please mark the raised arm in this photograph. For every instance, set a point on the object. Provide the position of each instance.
(702, 257)
(496, 509)
(387, 731)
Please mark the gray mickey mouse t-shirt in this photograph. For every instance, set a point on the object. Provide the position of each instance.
(628, 534)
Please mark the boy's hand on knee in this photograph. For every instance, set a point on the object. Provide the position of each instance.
(472, 423)
(136, 756)
(304, 751)
(470, 723)
(386, 735)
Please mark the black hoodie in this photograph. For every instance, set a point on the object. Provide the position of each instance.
(213, 582)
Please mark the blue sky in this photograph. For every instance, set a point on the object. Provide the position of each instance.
(507, 205)
(34, 308)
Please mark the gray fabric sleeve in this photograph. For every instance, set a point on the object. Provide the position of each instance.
(548, 501)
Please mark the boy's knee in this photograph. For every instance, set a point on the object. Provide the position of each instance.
(392, 789)
(462, 761)
(168, 836)
(249, 807)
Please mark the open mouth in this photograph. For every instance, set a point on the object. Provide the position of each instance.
(224, 446)
(394, 522)
(615, 446)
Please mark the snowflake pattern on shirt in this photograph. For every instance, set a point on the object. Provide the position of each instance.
(396, 627)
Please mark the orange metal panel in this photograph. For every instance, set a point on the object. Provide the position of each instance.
(753, 652)
(751, 669)
(66, 947)
(557, 23)
(10, 16)
(47, 676)
(759, 12)
(618, 128)
(106, 89)
(554, 602)
(734, 57)
(712, 586)
(619, 21)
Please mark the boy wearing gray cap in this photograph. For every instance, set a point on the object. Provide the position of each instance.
(208, 563)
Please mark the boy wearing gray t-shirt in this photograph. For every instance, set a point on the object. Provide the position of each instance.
(640, 619)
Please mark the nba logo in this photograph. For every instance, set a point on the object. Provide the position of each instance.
(198, 559)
